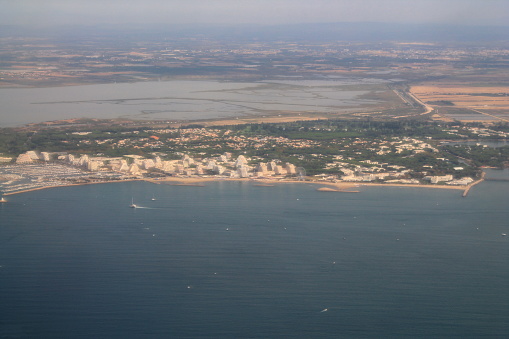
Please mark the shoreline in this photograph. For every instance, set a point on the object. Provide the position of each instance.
(68, 185)
(339, 186)
(467, 190)
(342, 187)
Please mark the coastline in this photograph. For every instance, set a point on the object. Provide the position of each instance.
(467, 190)
(68, 185)
(336, 186)
(342, 187)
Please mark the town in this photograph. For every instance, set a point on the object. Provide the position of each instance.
(322, 152)
(429, 108)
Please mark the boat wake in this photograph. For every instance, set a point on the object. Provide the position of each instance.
(327, 309)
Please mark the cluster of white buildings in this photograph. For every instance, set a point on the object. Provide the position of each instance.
(32, 156)
(224, 165)
(448, 179)
(479, 131)
(405, 144)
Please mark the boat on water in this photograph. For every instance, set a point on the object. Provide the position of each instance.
(3, 200)
(133, 205)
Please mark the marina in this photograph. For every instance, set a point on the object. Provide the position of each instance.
(25, 178)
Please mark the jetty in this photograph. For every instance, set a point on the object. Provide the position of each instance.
(328, 189)
(465, 192)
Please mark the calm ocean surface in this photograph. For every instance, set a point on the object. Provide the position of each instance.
(233, 260)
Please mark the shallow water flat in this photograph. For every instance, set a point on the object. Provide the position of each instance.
(179, 100)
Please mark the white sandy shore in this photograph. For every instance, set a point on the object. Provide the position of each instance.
(339, 186)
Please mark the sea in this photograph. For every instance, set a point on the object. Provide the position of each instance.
(237, 260)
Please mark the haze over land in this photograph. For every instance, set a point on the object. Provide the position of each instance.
(381, 62)
(458, 12)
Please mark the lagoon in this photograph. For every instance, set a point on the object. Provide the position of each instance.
(180, 100)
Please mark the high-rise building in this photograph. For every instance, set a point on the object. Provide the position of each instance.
(24, 159)
(290, 169)
(33, 155)
(83, 160)
(280, 170)
(241, 160)
(148, 163)
(262, 168)
(45, 156)
(243, 171)
(134, 169)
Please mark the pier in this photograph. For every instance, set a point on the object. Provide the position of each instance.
(465, 192)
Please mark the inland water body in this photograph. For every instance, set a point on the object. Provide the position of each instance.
(234, 260)
(182, 100)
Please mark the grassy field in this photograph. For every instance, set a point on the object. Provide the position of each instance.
(465, 96)
(454, 100)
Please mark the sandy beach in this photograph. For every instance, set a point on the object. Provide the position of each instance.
(338, 186)
(342, 187)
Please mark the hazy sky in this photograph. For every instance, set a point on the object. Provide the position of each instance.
(477, 12)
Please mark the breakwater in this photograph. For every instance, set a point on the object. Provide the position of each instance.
(467, 190)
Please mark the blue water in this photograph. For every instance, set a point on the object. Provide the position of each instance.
(233, 260)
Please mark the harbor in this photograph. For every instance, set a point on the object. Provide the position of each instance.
(16, 179)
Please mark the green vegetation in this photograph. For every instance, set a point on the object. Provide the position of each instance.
(341, 129)
(318, 146)
(441, 103)
(13, 142)
(480, 155)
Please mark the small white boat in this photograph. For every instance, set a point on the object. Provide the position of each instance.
(3, 200)
(133, 205)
